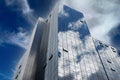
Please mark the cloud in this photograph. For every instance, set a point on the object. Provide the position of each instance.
(101, 31)
(5, 76)
(89, 66)
(101, 15)
(22, 6)
(21, 38)
(101, 20)
(62, 11)
(75, 25)
(76, 47)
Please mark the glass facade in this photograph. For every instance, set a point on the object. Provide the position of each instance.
(80, 56)
(62, 48)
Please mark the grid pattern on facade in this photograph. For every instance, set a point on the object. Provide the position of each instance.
(78, 63)
(81, 57)
(110, 59)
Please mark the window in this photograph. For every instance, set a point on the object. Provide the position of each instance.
(114, 51)
(19, 71)
(106, 45)
(50, 15)
(44, 65)
(19, 66)
(59, 54)
(112, 69)
(16, 77)
(109, 61)
(112, 48)
(81, 21)
(65, 50)
(47, 21)
(100, 43)
(51, 57)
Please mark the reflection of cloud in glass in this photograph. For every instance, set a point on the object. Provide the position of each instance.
(76, 48)
(78, 60)
(80, 56)
(75, 25)
(67, 16)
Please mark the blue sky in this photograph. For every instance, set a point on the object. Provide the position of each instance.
(18, 17)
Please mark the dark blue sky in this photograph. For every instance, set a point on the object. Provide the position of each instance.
(17, 19)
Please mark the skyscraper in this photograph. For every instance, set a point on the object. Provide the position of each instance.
(62, 48)
(40, 59)
(80, 56)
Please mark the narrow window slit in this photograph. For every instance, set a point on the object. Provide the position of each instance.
(109, 61)
(100, 43)
(50, 15)
(114, 51)
(16, 77)
(19, 66)
(59, 54)
(81, 21)
(65, 50)
(113, 69)
(51, 57)
(44, 65)
(19, 71)
(106, 45)
(47, 21)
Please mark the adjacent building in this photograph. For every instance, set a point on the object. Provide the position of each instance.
(80, 56)
(40, 59)
(62, 48)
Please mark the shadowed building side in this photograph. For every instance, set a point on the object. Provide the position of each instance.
(37, 56)
(40, 58)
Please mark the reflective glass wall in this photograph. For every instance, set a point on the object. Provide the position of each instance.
(80, 57)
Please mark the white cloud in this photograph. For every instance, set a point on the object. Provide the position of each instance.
(62, 11)
(101, 31)
(70, 41)
(101, 20)
(22, 6)
(5, 76)
(75, 25)
(21, 38)
(101, 15)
